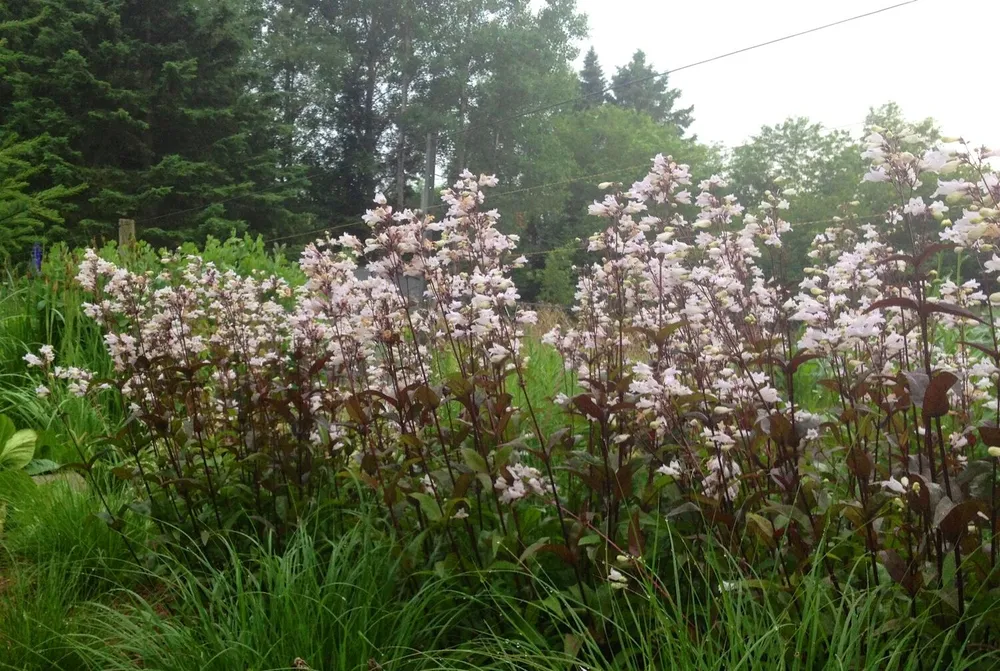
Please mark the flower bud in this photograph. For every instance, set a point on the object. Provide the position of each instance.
(995, 298)
(948, 168)
(994, 452)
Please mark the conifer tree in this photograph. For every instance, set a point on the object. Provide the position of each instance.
(637, 86)
(592, 83)
(153, 105)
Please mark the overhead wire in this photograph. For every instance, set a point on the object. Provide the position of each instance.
(687, 66)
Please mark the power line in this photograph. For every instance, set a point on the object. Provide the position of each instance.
(539, 187)
(688, 66)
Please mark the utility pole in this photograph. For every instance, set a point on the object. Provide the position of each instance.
(401, 149)
(425, 194)
(429, 167)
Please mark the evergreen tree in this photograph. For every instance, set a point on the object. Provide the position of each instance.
(24, 214)
(152, 103)
(638, 87)
(592, 83)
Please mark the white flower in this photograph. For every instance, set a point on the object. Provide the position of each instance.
(893, 485)
(618, 581)
(673, 469)
(948, 187)
(915, 207)
(47, 353)
(32, 359)
(460, 514)
(41, 391)
(877, 175)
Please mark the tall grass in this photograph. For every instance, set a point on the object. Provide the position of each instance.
(353, 602)
(335, 604)
(742, 626)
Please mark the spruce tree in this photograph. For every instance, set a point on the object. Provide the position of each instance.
(152, 103)
(25, 213)
(592, 83)
(638, 87)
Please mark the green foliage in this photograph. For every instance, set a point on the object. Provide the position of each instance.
(822, 171)
(151, 104)
(25, 213)
(56, 519)
(17, 448)
(573, 157)
(36, 603)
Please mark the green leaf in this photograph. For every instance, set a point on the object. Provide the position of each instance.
(762, 527)
(532, 549)
(7, 428)
(41, 467)
(18, 450)
(474, 460)
(428, 504)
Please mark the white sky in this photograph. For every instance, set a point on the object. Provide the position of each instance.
(934, 57)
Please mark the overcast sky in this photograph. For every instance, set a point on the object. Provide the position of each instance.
(912, 55)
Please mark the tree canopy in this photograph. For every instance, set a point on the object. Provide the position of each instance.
(282, 118)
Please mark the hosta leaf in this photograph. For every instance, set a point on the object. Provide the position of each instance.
(7, 428)
(18, 450)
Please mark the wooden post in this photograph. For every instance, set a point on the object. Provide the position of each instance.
(126, 233)
(126, 238)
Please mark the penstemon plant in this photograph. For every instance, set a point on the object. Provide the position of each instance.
(691, 374)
